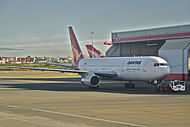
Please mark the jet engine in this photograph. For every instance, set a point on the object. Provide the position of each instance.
(91, 80)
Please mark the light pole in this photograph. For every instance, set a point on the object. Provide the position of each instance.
(92, 37)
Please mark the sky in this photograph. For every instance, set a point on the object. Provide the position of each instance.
(40, 27)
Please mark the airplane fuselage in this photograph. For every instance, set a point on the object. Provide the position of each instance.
(128, 68)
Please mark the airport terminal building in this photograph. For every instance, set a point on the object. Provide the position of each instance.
(171, 43)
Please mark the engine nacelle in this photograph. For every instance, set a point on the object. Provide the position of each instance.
(91, 80)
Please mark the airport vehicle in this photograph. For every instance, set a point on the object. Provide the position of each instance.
(93, 52)
(177, 85)
(92, 70)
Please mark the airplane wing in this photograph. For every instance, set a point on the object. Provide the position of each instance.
(58, 70)
(59, 64)
(107, 74)
(103, 74)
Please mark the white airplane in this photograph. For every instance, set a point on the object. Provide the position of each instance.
(92, 70)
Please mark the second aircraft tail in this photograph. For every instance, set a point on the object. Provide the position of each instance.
(92, 51)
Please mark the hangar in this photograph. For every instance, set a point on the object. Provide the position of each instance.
(171, 43)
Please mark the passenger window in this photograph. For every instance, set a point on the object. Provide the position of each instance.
(163, 64)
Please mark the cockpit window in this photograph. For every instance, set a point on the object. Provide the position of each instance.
(160, 64)
(163, 64)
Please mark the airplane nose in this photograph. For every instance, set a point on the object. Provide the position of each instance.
(166, 70)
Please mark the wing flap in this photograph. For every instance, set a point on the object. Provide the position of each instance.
(107, 74)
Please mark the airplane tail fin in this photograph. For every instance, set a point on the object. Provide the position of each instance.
(92, 51)
(76, 50)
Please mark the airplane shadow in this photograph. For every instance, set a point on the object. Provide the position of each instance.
(43, 79)
(73, 84)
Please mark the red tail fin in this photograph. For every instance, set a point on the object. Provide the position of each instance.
(92, 51)
(107, 42)
(77, 52)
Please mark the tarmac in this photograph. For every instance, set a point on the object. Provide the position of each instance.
(59, 101)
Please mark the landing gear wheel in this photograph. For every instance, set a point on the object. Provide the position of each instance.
(164, 89)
